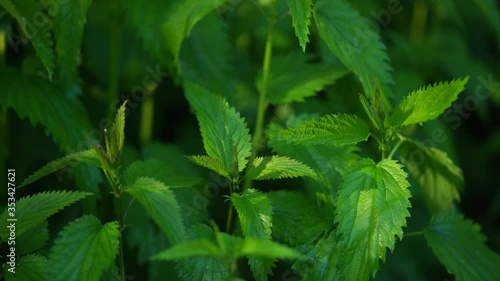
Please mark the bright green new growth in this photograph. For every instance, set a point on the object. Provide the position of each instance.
(371, 210)
(351, 39)
(277, 167)
(225, 135)
(83, 250)
(427, 103)
(437, 176)
(213, 164)
(460, 247)
(301, 11)
(33, 210)
(161, 204)
(292, 78)
(334, 129)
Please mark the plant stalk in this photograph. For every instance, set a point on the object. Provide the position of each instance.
(230, 212)
(114, 61)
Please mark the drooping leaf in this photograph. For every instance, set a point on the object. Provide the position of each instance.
(191, 249)
(371, 210)
(69, 22)
(168, 24)
(161, 204)
(277, 167)
(25, 12)
(203, 268)
(460, 246)
(301, 11)
(435, 173)
(292, 78)
(297, 218)
(156, 169)
(205, 56)
(65, 119)
(86, 156)
(320, 260)
(255, 215)
(334, 129)
(427, 103)
(213, 164)
(33, 210)
(83, 250)
(225, 134)
(29, 268)
(350, 37)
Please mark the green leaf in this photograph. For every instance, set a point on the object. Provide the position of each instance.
(25, 12)
(156, 169)
(159, 201)
(86, 156)
(84, 250)
(225, 134)
(460, 247)
(69, 22)
(191, 249)
(203, 268)
(65, 119)
(292, 78)
(264, 249)
(205, 57)
(277, 167)
(333, 129)
(168, 24)
(255, 214)
(297, 218)
(440, 180)
(33, 210)
(29, 268)
(351, 38)
(371, 210)
(116, 138)
(301, 11)
(33, 240)
(213, 164)
(319, 261)
(427, 103)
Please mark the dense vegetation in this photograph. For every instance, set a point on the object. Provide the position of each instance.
(249, 140)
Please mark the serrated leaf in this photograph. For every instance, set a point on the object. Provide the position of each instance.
(292, 78)
(116, 136)
(203, 268)
(86, 156)
(213, 164)
(440, 180)
(319, 261)
(191, 249)
(205, 57)
(156, 169)
(225, 134)
(460, 247)
(25, 12)
(65, 119)
(161, 204)
(277, 167)
(167, 25)
(84, 250)
(371, 210)
(301, 11)
(33, 240)
(33, 210)
(69, 23)
(29, 268)
(426, 103)
(350, 38)
(333, 129)
(255, 215)
(297, 218)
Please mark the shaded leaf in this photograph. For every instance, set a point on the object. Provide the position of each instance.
(29, 268)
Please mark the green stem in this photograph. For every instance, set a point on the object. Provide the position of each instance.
(414, 233)
(262, 107)
(230, 212)
(120, 218)
(114, 60)
(395, 148)
(147, 114)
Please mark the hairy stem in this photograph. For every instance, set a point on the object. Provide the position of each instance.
(120, 218)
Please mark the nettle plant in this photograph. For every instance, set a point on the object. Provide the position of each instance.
(353, 201)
